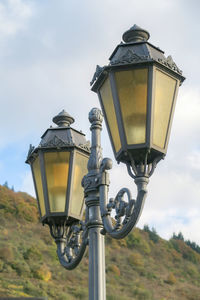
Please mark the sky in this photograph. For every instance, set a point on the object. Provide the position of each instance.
(49, 50)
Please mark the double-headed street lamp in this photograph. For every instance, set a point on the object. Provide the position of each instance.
(137, 93)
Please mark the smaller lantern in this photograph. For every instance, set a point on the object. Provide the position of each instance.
(58, 165)
(137, 93)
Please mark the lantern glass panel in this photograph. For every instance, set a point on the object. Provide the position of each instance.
(163, 102)
(108, 105)
(38, 183)
(77, 194)
(132, 93)
(57, 168)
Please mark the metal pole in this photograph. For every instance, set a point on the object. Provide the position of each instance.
(97, 289)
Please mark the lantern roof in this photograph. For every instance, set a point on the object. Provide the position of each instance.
(61, 137)
(135, 50)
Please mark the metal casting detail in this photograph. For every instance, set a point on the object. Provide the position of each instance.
(95, 159)
(143, 169)
(95, 116)
(135, 34)
(98, 71)
(71, 242)
(168, 62)
(30, 151)
(121, 207)
(85, 146)
(127, 213)
(57, 142)
(130, 57)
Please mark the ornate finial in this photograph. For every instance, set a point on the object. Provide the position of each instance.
(30, 151)
(96, 74)
(135, 34)
(95, 115)
(63, 119)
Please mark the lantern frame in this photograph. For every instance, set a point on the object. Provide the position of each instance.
(75, 144)
(137, 53)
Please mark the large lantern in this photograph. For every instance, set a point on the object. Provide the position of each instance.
(137, 93)
(58, 165)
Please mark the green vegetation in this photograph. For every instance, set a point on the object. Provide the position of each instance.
(141, 266)
(192, 245)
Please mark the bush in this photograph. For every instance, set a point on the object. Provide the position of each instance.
(135, 240)
(175, 255)
(21, 268)
(80, 293)
(190, 255)
(33, 290)
(171, 279)
(42, 273)
(114, 269)
(32, 253)
(192, 271)
(135, 259)
(6, 254)
(142, 294)
(175, 245)
(1, 265)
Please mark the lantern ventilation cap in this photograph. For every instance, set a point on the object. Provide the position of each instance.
(135, 34)
(63, 119)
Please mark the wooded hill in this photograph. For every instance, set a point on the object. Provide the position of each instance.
(141, 266)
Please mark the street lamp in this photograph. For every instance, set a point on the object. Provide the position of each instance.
(137, 93)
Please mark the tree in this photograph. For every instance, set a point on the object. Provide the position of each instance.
(6, 184)
(178, 237)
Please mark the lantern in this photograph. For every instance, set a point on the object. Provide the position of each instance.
(58, 165)
(137, 93)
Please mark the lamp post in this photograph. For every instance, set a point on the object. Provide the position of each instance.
(137, 93)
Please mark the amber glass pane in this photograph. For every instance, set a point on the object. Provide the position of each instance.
(38, 182)
(164, 95)
(77, 195)
(57, 167)
(107, 100)
(132, 93)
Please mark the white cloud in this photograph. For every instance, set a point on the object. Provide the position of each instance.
(27, 184)
(13, 16)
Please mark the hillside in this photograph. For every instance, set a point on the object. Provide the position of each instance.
(142, 266)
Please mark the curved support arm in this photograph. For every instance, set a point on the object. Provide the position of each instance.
(127, 213)
(67, 258)
(130, 210)
(71, 242)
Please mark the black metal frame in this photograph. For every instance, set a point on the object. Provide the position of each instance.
(69, 195)
(48, 214)
(171, 111)
(60, 139)
(121, 155)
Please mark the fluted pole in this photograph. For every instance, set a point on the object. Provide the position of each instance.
(97, 290)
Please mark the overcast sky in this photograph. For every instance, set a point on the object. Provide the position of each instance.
(49, 50)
